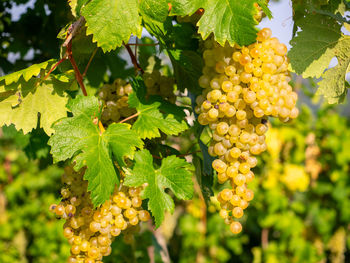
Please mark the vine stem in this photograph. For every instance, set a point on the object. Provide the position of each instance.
(100, 125)
(157, 157)
(78, 75)
(54, 67)
(130, 117)
(140, 45)
(133, 59)
(197, 188)
(164, 253)
(90, 60)
(73, 30)
(150, 252)
(7, 168)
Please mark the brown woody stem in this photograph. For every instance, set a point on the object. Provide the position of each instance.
(133, 59)
(73, 30)
(78, 75)
(185, 154)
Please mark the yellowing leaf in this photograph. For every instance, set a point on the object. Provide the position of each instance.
(27, 73)
(22, 108)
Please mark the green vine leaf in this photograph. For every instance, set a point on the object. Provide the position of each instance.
(187, 69)
(333, 84)
(231, 21)
(172, 174)
(28, 73)
(154, 9)
(155, 114)
(112, 22)
(21, 102)
(80, 138)
(315, 46)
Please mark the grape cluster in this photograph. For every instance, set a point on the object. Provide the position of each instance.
(158, 84)
(90, 231)
(115, 97)
(242, 86)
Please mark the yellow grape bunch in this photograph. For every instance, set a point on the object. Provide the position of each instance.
(242, 86)
(158, 84)
(90, 231)
(115, 96)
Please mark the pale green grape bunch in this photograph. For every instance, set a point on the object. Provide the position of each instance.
(90, 231)
(115, 99)
(115, 96)
(158, 84)
(242, 86)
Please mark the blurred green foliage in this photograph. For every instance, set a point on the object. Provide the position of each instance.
(28, 233)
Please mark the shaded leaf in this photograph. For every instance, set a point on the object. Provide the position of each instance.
(314, 47)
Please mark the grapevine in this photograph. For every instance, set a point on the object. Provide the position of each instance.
(172, 126)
